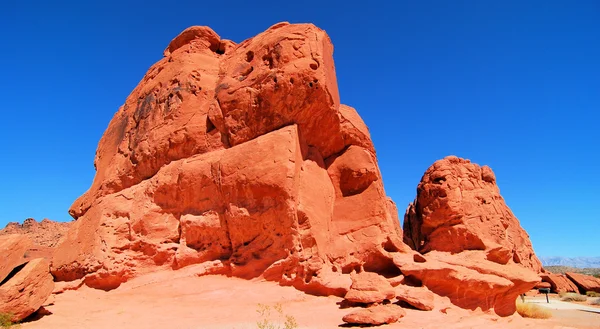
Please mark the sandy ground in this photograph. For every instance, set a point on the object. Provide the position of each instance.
(181, 300)
(555, 304)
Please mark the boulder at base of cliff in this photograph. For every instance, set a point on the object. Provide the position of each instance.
(27, 290)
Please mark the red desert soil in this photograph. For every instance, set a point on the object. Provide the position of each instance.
(180, 299)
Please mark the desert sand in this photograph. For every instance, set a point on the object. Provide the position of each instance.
(180, 299)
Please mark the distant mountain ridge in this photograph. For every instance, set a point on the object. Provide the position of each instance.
(579, 262)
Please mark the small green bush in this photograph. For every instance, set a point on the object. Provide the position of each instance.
(573, 297)
(592, 294)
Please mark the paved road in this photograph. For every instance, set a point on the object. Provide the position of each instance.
(560, 305)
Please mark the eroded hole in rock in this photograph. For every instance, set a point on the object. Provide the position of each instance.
(383, 266)
(209, 125)
(419, 259)
(268, 60)
(439, 180)
(412, 281)
(314, 66)
(13, 273)
(389, 246)
(292, 80)
(249, 56)
(218, 48)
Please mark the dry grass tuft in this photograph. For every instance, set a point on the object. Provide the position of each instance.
(533, 311)
(573, 297)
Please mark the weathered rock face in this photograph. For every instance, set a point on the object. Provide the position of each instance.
(584, 282)
(240, 154)
(458, 208)
(26, 291)
(559, 283)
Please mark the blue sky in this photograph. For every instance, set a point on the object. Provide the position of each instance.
(511, 84)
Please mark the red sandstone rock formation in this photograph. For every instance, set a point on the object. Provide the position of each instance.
(459, 207)
(461, 224)
(240, 154)
(559, 283)
(584, 282)
(241, 157)
(46, 233)
(45, 236)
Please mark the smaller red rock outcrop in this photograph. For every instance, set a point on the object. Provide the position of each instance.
(584, 282)
(459, 207)
(559, 283)
(368, 288)
(375, 315)
(417, 297)
(44, 235)
(473, 249)
(27, 290)
(13, 249)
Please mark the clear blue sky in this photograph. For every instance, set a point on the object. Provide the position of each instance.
(511, 84)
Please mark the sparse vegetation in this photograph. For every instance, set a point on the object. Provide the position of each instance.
(533, 311)
(595, 301)
(573, 297)
(266, 322)
(562, 269)
(592, 294)
(5, 320)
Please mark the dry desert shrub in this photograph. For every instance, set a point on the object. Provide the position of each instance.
(595, 301)
(573, 297)
(592, 294)
(533, 311)
(266, 322)
(5, 320)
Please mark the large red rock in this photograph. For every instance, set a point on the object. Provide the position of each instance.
(242, 157)
(459, 207)
(13, 249)
(238, 153)
(27, 290)
(584, 282)
(559, 283)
